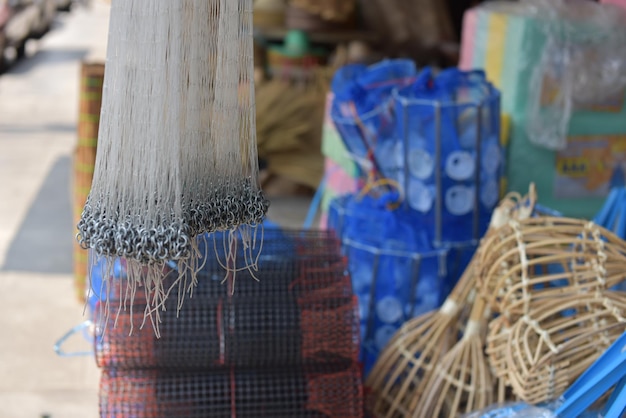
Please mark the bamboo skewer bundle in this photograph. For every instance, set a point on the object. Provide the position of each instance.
(289, 117)
(402, 373)
(545, 258)
(547, 349)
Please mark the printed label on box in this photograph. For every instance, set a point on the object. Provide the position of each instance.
(590, 166)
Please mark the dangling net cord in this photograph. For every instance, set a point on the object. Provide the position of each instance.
(251, 261)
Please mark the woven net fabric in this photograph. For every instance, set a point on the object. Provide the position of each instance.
(177, 143)
(280, 394)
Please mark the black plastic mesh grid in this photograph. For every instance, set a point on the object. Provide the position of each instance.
(231, 394)
(242, 332)
(301, 311)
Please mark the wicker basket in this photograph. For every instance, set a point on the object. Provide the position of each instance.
(545, 351)
(545, 258)
(422, 370)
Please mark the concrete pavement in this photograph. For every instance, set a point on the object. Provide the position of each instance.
(38, 114)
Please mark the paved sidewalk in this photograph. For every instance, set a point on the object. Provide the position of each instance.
(38, 113)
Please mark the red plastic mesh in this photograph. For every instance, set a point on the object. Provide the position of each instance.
(242, 394)
(284, 346)
(302, 311)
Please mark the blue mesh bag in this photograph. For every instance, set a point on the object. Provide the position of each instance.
(449, 125)
(396, 273)
(362, 108)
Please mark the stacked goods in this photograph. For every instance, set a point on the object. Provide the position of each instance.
(340, 10)
(269, 13)
(289, 111)
(426, 149)
(283, 346)
(560, 67)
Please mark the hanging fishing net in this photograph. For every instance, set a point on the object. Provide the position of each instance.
(177, 144)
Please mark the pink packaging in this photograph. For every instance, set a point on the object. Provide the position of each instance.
(467, 46)
(616, 2)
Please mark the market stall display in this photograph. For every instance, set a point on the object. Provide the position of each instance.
(441, 300)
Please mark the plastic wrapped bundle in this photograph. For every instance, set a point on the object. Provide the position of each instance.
(296, 393)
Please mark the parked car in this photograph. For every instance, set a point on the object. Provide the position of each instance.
(26, 19)
(5, 15)
(47, 10)
(64, 5)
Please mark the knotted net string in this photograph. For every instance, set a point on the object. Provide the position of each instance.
(177, 141)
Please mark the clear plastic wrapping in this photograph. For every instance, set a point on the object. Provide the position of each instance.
(582, 66)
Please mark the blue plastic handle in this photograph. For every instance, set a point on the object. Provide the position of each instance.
(608, 370)
(58, 347)
(616, 405)
(606, 214)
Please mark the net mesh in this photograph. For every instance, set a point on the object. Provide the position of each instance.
(289, 394)
(283, 346)
(311, 322)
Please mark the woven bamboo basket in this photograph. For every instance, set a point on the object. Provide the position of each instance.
(404, 371)
(462, 381)
(90, 101)
(545, 351)
(545, 258)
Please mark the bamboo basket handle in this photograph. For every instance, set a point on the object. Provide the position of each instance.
(513, 206)
(476, 319)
